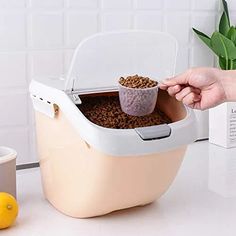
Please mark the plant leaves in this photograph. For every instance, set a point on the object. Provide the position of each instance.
(232, 34)
(206, 39)
(224, 24)
(222, 63)
(222, 43)
(234, 65)
(223, 46)
(225, 6)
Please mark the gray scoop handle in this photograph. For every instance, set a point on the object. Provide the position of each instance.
(154, 132)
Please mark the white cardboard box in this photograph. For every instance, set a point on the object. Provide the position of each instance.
(202, 124)
(222, 125)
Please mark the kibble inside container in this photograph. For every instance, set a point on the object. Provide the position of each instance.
(138, 95)
(104, 110)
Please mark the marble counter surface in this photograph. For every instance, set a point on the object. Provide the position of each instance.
(201, 201)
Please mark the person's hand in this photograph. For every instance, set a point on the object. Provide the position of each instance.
(198, 88)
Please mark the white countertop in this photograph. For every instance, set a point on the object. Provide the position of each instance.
(201, 201)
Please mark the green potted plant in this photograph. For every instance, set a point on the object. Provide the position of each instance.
(223, 43)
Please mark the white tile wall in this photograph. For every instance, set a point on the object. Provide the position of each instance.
(12, 3)
(117, 5)
(37, 38)
(82, 4)
(148, 21)
(182, 62)
(200, 56)
(46, 3)
(178, 24)
(116, 21)
(12, 30)
(14, 110)
(206, 5)
(148, 4)
(19, 139)
(46, 30)
(46, 63)
(178, 5)
(13, 69)
(79, 25)
(232, 4)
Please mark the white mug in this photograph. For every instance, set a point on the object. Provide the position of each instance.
(8, 170)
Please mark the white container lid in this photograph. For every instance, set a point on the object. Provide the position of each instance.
(6, 154)
(100, 60)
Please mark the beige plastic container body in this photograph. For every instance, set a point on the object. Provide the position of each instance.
(8, 170)
(81, 181)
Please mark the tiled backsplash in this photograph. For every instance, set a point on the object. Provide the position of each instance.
(37, 38)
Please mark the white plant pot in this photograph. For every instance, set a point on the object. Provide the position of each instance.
(8, 170)
(202, 123)
(222, 125)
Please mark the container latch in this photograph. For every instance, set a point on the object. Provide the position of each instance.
(154, 132)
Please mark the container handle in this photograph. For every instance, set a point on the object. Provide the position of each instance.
(154, 132)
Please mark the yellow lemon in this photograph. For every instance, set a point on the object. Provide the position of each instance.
(8, 210)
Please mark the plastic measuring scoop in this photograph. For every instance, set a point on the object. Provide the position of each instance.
(138, 101)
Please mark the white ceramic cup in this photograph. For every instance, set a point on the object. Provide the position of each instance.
(8, 170)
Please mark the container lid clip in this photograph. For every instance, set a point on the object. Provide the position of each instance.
(74, 94)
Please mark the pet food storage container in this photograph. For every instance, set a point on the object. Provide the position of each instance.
(8, 170)
(88, 170)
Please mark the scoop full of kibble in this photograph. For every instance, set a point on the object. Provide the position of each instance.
(137, 81)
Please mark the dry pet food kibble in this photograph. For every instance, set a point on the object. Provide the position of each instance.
(137, 82)
(106, 111)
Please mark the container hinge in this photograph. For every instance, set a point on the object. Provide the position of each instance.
(74, 96)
